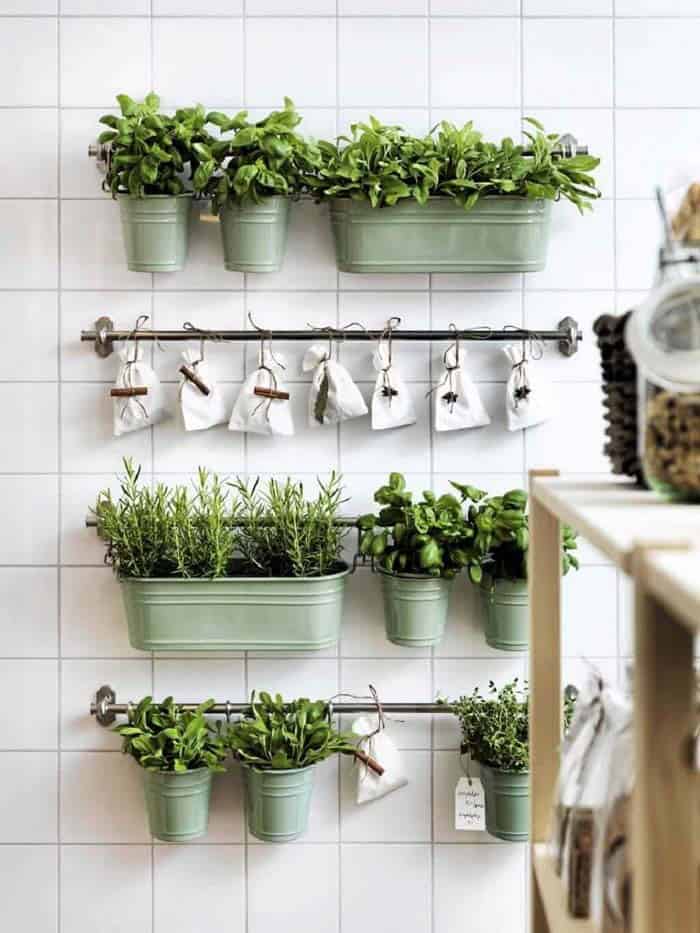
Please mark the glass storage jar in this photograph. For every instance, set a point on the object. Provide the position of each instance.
(663, 335)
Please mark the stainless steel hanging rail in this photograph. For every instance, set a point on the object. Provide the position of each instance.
(105, 708)
(567, 335)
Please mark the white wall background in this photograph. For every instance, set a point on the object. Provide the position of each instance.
(75, 854)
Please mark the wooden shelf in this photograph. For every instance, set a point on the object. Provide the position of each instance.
(553, 895)
(673, 578)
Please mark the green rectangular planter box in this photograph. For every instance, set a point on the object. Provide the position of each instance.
(499, 234)
(278, 802)
(254, 236)
(156, 231)
(178, 803)
(234, 613)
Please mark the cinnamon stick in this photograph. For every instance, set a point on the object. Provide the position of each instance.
(192, 377)
(270, 393)
(371, 763)
(128, 392)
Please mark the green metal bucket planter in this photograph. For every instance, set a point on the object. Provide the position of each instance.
(254, 236)
(507, 803)
(415, 608)
(506, 614)
(234, 613)
(278, 802)
(178, 803)
(499, 234)
(156, 231)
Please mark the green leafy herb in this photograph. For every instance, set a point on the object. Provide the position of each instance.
(321, 403)
(278, 736)
(164, 737)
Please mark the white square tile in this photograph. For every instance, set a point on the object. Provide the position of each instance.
(119, 876)
(29, 167)
(381, 281)
(477, 282)
(205, 265)
(566, 442)
(300, 7)
(79, 311)
(28, 808)
(88, 442)
(219, 680)
(401, 873)
(85, 82)
(29, 505)
(654, 63)
(309, 450)
(373, 310)
(492, 447)
(198, 8)
(93, 624)
(448, 768)
(557, 52)
(80, 175)
(648, 147)
(200, 61)
(576, 670)
(402, 816)
(464, 636)
(482, 311)
(29, 63)
(415, 120)
(30, 428)
(315, 678)
(475, 7)
(569, 8)
(95, 7)
(489, 76)
(91, 782)
(34, 327)
(397, 680)
(31, 629)
(30, 887)
(656, 8)
(312, 81)
(581, 252)
(81, 545)
(30, 7)
(386, 7)
(29, 234)
(589, 607)
(638, 239)
(92, 252)
(361, 487)
(383, 62)
(362, 448)
(206, 310)
(199, 886)
(493, 124)
(297, 905)
(30, 689)
(79, 680)
(492, 870)
(309, 261)
(625, 609)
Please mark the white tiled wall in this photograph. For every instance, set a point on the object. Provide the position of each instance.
(71, 814)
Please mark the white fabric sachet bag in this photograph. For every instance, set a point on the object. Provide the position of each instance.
(377, 744)
(139, 411)
(200, 411)
(257, 414)
(334, 397)
(457, 403)
(528, 398)
(392, 405)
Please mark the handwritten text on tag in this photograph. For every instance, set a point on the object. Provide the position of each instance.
(470, 807)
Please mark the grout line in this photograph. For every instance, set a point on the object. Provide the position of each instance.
(59, 491)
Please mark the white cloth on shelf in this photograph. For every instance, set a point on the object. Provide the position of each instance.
(392, 405)
(529, 400)
(200, 411)
(371, 786)
(138, 411)
(333, 397)
(256, 414)
(457, 403)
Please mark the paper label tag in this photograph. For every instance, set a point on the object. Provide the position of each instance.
(470, 805)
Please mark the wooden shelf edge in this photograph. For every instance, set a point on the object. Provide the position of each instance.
(553, 895)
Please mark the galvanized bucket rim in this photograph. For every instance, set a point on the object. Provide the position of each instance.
(413, 576)
(487, 581)
(126, 196)
(161, 775)
(238, 579)
(348, 199)
(248, 202)
(259, 770)
(501, 771)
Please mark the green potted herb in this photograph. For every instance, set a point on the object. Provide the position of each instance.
(226, 566)
(418, 548)
(250, 178)
(498, 562)
(150, 154)
(448, 201)
(278, 745)
(179, 752)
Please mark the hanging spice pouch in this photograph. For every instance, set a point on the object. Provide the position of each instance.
(334, 397)
(137, 394)
(263, 405)
(528, 398)
(377, 745)
(392, 406)
(201, 403)
(457, 403)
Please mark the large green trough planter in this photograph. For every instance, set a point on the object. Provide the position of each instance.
(415, 608)
(156, 231)
(499, 234)
(235, 613)
(506, 614)
(507, 796)
(278, 802)
(178, 803)
(254, 236)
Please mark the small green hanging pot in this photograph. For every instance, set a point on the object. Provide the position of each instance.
(507, 796)
(506, 613)
(156, 231)
(178, 803)
(278, 802)
(254, 236)
(415, 608)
